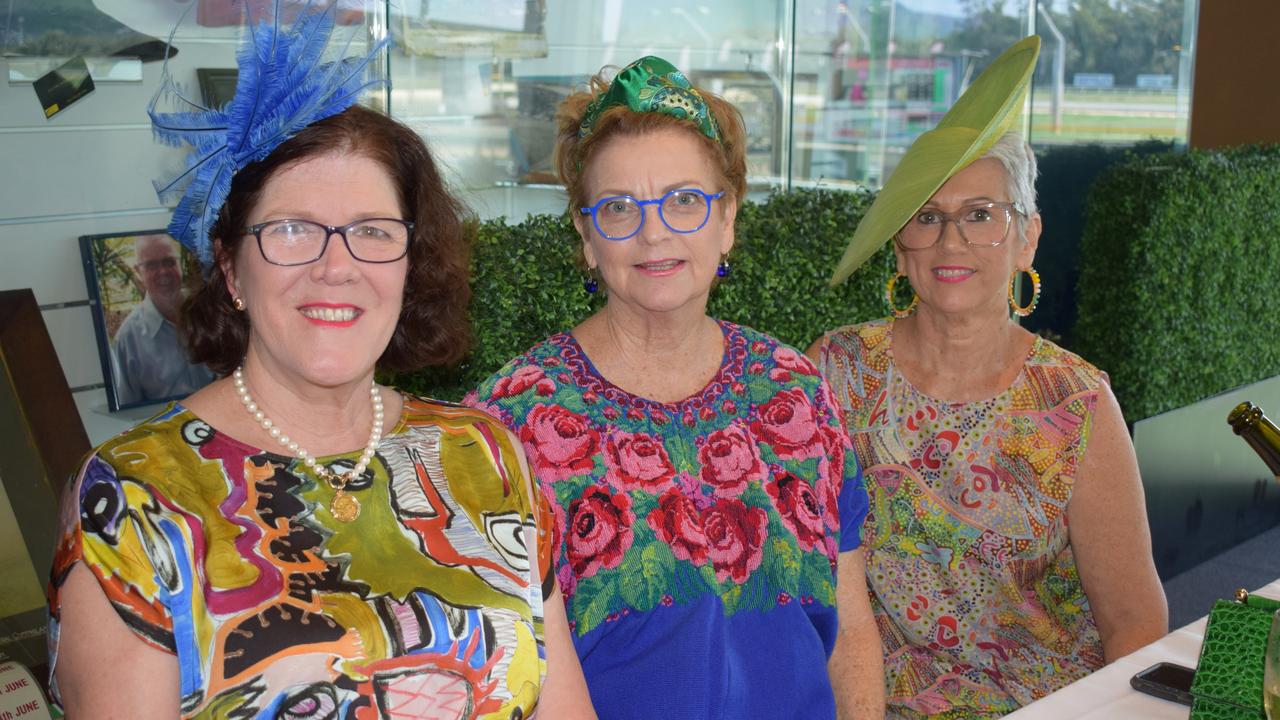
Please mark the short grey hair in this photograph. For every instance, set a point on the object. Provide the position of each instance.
(1019, 163)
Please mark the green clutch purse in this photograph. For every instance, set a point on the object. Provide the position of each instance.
(1228, 679)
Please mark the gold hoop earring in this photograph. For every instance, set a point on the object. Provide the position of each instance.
(1035, 292)
(238, 304)
(888, 297)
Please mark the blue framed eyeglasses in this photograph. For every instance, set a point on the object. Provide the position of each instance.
(620, 217)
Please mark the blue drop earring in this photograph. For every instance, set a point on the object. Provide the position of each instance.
(590, 284)
(722, 270)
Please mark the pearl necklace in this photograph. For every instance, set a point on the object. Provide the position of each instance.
(344, 507)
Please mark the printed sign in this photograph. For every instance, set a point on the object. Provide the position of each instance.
(1093, 80)
(20, 694)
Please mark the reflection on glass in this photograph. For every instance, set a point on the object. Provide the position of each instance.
(872, 75)
(1112, 73)
(832, 91)
(487, 102)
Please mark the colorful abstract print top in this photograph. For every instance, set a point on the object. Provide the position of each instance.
(973, 582)
(426, 606)
(696, 541)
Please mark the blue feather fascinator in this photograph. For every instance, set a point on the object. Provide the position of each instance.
(284, 85)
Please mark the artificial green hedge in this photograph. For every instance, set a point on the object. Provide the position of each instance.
(527, 285)
(1180, 274)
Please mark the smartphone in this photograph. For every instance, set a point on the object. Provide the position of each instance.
(1167, 681)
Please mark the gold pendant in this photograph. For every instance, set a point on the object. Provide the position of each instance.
(344, 507)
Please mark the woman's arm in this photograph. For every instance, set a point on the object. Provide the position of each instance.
(815, 351)
(1107, 523)
(856, 665)
(857, 662)
(103, 669)
(564, 694)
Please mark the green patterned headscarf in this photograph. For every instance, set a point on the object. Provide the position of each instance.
(652, 84)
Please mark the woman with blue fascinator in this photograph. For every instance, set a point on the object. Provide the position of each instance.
(706, 503)
(1008, 552)
(295, 540)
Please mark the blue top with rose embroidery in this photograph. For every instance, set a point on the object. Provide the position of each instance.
(696, 541)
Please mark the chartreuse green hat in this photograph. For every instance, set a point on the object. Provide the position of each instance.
(984, 113)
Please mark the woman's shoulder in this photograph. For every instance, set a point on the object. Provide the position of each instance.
(173, 430)
(468, 443)
(1049, 357)
(525, 369)
(866, 343)
(773, 369)
(871, 333)
(759, 347)
(755, 341)
(420, 412)
(145, 455)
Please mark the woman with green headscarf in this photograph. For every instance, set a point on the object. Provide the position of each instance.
(1008, 552)
(704, 497)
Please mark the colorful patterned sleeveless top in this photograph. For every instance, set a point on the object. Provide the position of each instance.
(697, 540)
(974, 585)
(426, 606)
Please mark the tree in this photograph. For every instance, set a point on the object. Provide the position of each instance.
(1120, 37)
(989, 28)
(1123, 37)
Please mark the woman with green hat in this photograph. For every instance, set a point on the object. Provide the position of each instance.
(1008, 552)
(705, 501)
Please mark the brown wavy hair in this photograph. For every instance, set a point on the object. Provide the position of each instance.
(573, 154)
(432, 328)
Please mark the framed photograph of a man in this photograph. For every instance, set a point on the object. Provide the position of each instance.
(136, 285)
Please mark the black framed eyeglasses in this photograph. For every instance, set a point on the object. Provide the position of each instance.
(299, 242)
(620, 217)
(980, 225)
